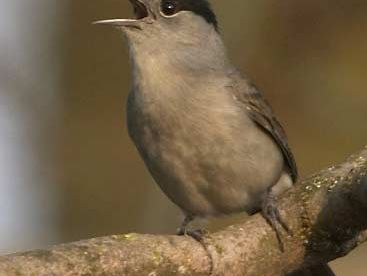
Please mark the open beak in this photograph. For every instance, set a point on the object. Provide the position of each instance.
(140, 12)
(119, 22)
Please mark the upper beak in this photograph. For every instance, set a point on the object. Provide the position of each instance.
(119, 22)
(140, 12)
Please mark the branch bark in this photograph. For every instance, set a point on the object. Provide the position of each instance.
(326, 213)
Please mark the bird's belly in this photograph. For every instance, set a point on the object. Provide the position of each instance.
(211, 166)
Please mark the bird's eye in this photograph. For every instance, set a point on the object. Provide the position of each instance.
(169, 7)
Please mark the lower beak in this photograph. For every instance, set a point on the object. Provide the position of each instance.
(119, 22)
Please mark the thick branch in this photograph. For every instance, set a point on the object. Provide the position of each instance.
(327, 214)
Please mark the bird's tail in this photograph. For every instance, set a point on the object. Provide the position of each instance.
(319, 270)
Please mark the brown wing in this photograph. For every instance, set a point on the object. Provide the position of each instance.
(261, 112)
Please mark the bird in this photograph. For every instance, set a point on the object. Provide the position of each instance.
(206, 133)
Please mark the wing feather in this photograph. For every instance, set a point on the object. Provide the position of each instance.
(261, 113)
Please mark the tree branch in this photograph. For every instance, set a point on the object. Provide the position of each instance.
(326, 212)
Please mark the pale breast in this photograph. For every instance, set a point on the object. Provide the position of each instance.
(204, 152)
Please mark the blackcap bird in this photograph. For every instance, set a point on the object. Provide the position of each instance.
(205, 132)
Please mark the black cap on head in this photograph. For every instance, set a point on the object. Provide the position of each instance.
(199, 7)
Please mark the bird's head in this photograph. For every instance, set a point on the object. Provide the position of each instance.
(167, 22)
(173, 16)
(183, 32)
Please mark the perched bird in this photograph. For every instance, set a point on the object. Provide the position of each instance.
(205, 132)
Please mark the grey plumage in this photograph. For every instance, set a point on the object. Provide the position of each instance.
(206, 134)
(195, 121)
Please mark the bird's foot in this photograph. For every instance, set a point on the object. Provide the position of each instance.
(184, 231)
(271, 214)
(196, 234)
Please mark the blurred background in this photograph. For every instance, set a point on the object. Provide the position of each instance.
(68, 170)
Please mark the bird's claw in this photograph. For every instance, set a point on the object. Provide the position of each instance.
(271, 214)
(196, 234)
